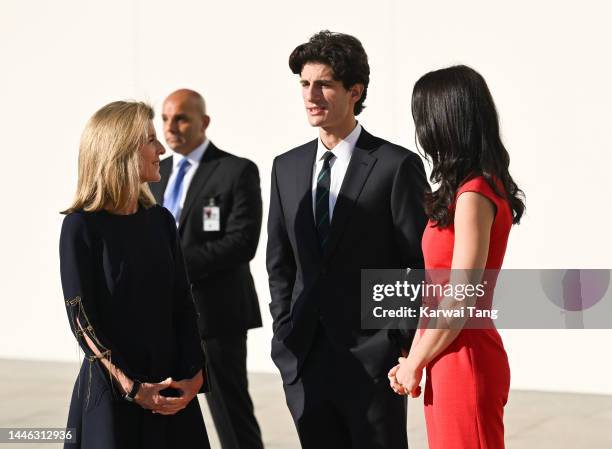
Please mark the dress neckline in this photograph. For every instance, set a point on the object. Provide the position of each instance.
(112, 214)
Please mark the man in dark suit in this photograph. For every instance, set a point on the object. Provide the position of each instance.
(216, 200)
(340, 203)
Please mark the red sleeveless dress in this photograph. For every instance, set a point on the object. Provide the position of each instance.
(467, 384)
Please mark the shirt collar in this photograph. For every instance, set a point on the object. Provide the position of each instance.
(345, 147)
(194, 157)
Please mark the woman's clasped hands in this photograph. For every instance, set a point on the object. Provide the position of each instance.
(150, 395)
(405, 377)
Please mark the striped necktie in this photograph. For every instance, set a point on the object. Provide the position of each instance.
(322, 200)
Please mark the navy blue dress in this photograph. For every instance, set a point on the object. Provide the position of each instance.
(125, 286)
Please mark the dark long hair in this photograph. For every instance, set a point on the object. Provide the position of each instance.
(457, 127)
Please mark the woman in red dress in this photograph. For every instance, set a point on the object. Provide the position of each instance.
(471, 213)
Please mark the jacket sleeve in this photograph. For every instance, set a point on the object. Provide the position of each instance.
(185, 315)
(77, 275)
(280, 259)
(408, 208)
(409, 220)
(241, 236)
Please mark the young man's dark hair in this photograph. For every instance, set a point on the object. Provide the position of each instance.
(343, 53)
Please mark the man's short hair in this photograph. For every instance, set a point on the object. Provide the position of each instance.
(343, 53)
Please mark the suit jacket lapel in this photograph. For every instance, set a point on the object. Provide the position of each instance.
(357, 173)
(208, 164)
(305, 223)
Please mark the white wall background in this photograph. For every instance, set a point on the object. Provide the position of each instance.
(547, 64)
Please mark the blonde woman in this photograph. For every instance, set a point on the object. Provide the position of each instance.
(127, 295)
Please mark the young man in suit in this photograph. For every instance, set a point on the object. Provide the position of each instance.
(343, 202)
(216, 200)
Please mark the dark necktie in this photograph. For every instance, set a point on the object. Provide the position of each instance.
(322, 200)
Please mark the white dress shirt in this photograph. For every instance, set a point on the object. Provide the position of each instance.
(338, 166)
(194, 159)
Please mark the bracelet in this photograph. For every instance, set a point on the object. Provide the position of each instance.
(133, 392)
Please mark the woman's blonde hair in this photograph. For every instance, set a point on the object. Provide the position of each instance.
(109, 158)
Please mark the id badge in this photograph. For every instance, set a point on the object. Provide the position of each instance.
(212, 218)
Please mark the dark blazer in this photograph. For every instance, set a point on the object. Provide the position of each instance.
(218, 262)
(378, 222)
